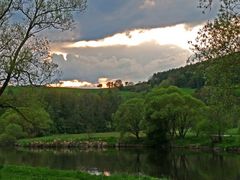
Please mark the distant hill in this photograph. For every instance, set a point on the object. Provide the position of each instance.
(193, 75)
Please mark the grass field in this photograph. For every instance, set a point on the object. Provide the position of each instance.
(10, 172)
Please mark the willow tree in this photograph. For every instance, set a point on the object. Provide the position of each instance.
(24, 55)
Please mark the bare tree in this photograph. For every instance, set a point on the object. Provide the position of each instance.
(24, 56)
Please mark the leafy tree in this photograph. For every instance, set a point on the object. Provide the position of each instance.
(100, 85)
(36, 123)
(172, 112)
(110, 84)
(118, 83)
(110, 104)
(24, 57)
(223, 111)
(15, 130)
(220, 94)
(129, 117)
(221, 36)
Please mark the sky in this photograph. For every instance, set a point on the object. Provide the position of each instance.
(126, 39)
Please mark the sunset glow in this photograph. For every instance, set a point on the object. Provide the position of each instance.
(81, 84)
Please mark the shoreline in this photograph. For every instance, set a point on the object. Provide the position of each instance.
(103, 145)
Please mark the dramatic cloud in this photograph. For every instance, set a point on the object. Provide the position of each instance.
(130, 56)
(128, 40)
(114, 16)
(174, 35)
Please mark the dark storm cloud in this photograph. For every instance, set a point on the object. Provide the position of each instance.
(105, 17)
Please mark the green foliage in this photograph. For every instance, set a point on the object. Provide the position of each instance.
(15, 130)
(78, 113)
(190, 76)
(195, 75)
(36, 121)
(7, 140)
(221, 96)
(129, 117)
(219, 37)
(171, 113)
(71, 110)
(222, 112)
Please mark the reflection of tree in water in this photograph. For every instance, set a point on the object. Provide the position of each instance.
(191, 165)
(158, 163)
(174, 166)
(137, 162)
(179, 165)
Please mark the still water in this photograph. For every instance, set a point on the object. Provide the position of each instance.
(177, 164)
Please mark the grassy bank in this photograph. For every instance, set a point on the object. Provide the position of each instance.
(111, 138)
(23, 172)
(107, 139)
(231, 140)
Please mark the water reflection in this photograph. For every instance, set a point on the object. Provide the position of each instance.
(179, 165)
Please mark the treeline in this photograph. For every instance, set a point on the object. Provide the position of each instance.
(168, 113)
(42, 111)
(190, 76)
(88, 112)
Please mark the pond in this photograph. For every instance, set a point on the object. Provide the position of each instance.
(177, 164)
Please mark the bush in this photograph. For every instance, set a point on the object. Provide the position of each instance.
(15, 130)
(7, 140)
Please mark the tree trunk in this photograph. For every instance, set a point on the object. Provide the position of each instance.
(5, 84)
(219, 136)
(137, 135)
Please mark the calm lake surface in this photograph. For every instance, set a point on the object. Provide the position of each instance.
(177, 164)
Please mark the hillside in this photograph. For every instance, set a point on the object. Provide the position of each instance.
(195, 75)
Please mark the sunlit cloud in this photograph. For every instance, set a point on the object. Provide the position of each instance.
(131, 55)
(60, 53)
(74, 84)
(177, 35)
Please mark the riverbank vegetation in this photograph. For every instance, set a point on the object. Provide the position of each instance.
(162, 115)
